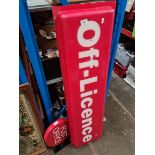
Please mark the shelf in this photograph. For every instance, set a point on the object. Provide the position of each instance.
(40, 8)
(127, 33)
(53, 81)
(130, 81)
(38, 5)
(45, 59)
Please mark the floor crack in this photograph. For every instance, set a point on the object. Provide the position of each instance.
(92, 148)
(120, 104)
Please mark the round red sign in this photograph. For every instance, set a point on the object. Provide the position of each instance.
(56, 133)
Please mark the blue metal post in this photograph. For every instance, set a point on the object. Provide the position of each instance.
(61, 112)
(22, 75)
(31, 45)
(64, 2)
(121, 5)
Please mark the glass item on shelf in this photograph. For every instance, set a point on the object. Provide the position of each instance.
(43, 33)
(41, 53)
(52, 53)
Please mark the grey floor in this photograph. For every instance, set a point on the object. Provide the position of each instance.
(118, 131)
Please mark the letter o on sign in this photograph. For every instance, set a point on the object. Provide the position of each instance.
(89, 25)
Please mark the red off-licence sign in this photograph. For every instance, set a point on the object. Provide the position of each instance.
(84, 33)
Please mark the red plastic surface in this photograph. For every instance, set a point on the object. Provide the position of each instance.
(120, 70)
(127, 33)
(56, 9)
(84, 39)
(56, 133)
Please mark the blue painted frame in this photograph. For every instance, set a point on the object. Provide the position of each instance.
(61, 112)
(121, 5)
(31, 45)
(64, 2)
(22, 75)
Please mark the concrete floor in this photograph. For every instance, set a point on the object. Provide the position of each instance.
(119, 128)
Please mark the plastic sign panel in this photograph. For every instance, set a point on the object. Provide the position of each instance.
(56, 133)
(84, 38)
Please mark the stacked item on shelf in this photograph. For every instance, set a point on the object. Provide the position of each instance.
(47, 44)
(129, 5)
(56, 91)
(122, 60)
(124, 65)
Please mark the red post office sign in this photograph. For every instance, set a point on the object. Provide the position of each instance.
(56, 133)
(84, 38)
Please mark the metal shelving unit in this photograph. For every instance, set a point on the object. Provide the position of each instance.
(33, 53)
(31, 45)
